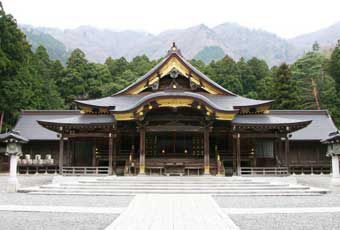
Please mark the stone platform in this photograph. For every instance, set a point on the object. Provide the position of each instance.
(227, 186)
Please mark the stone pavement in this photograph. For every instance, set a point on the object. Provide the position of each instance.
(175, 212)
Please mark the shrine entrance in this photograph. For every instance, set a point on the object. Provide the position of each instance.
(174, 144)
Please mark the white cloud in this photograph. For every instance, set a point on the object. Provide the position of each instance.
(287, 18)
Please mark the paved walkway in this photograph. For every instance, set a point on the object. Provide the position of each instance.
(175, 212)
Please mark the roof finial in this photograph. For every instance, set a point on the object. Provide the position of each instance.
(174, 48)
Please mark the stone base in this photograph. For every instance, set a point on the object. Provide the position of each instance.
(12, 185)
(335, 180)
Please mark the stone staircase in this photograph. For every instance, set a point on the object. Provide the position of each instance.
(226, 186)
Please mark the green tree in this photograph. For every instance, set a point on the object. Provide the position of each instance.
(334, 66)
(284, 89)
(309, 71)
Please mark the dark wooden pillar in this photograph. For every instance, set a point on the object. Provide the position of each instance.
(238, 154)
(142, 151)
(61, 153)
(110, 153)
(206, 151)
(115, 145)
(68, 152)
(233, 136)
(286, 150)
(94, 150)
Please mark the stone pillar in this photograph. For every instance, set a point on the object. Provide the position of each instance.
(238, 154)
(61, 154)
(13, 183)
(142, 151)
(335, 166)
(110, 154)
(206, 151)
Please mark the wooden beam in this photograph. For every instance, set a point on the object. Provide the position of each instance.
(94, 154)
(176, 128)
(115, 144)
(238, 154)
(61, 153)
(110, 153)
(142, 151)
(206, 151)
(73, 135)
(234, 157)
(286, 150)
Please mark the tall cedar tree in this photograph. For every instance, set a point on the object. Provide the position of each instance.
(285, 95)
(334, 66)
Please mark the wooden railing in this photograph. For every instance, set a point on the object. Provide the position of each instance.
(264, 171)
(77, 171)
(38, 169)
(311, 170)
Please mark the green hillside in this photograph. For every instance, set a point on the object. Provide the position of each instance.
(209, 54)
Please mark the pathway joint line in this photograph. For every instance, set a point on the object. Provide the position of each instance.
(230, 211)
(61, 209)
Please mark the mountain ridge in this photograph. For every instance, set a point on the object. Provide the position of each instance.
(233, 39)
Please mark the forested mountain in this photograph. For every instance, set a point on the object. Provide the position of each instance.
(195, 42)
(55, 48)
(32, 80)
(232, 39)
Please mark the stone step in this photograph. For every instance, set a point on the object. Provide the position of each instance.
(170, 183)
(113, 185)
(171, 178)
(132, 194)
(179, 191)
(173, 188)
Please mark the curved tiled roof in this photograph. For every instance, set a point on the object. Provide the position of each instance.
(129, 102)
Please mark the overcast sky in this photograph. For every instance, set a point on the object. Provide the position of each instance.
(287, 18)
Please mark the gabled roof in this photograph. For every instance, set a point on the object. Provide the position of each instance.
(175, 53)
(29, 127)
(322, 123)
(14, 134)
(213, 94)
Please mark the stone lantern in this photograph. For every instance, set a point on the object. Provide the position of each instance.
(13, 142)
(333, 150)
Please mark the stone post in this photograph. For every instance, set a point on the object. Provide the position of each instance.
(13, 183)
(14, 143)
(335, 167)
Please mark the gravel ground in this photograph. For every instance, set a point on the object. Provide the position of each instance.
(314, 221)
(329, 200)
(64, 200)
(53, 221)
